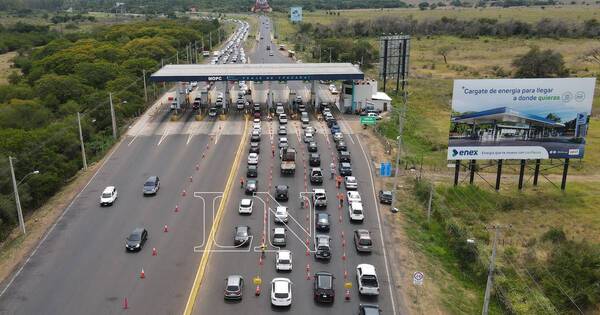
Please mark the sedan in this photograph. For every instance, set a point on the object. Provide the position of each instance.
(282, 130)
(241, 235)
(341, 146)
(245, 206)
(368, 309)
(281, 193)
(312, 147)
(281, 214)
(254, 147)
(251, 186)
(136, 240)
(252, 171)
(350, 183)
(353, 196)
(281, 292)
(338, 136)
(323, 288)
(385, 197)
(314, 160)
(345, 169)
(322, 221)
(253, 159)
(283, 260)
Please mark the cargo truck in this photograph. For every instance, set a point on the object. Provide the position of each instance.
(288, 161)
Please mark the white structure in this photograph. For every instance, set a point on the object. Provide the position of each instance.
(363, 95)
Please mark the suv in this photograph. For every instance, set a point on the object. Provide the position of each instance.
(281, 292)
(355, 210)
(234, 287)
(345, 169)
(366, 276)
(338, 136)
(323, 289)
(281, 193)
(241, 235)
(279, 238)
(385, 197)
(152, 185)
(322, 221)
(245, 206)
(363, 241)
(252, 171)
(316, 176)
(322, 248)
(344, 156)
(281, 214)
(312, 147)
(319, 197)
(351, 183)
(314, 159)
(341, 146)
(108, 197)
(251, 186)
(254, 147)
(283, 260)
(136, 240)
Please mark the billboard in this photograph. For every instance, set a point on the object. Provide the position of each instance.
(520, 118)
(393, 59)
(296, 14)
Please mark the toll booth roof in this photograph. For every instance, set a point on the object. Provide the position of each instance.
(258, 72)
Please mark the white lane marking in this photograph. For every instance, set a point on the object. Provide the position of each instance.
(348, 130)
(57, 221)
(387, 269)
(165, 134)
(189, 138)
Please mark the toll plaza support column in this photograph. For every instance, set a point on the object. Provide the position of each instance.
(313, 94)
(227, 97)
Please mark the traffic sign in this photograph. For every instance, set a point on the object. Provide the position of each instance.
(385, 169)
(364, 120)
(418, 277)
(257, 280)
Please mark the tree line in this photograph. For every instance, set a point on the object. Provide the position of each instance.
(75, 73)
(24, 35)
(451, 26)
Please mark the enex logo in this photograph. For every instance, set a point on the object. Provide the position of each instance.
(464, 152)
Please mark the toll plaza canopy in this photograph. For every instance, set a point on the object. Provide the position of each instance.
(258, 72)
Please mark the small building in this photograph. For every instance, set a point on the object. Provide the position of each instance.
(361, 95)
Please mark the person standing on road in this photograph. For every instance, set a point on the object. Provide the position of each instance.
(242, 182)
(332, 167)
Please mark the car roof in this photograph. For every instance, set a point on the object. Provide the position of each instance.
(108, 189)
(322, 215)
(349, 178)
(281, 187)
(346, 164)
(278, 230)
(356, 205)
(367, 269)
(318, 190)
(281, 285)
(362, 233)
(246, 201)
(234, 279)
(284, 254)
(315, 155)
(151, 178)
(281, 208)
(138, 230)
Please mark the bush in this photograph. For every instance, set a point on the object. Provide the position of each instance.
(540, 64)
(554, 235)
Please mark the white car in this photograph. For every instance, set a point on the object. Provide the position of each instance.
(245, 206)
(256, 121)
(353, 196)
(351, 183)
(108, 197)
(319, 197)
(377, 116)
(281, 292)
(366, 276)
(253, 159)
(256, 126)
(283, 119)
(356, 212)
(308, 138)
(281, 214)
(310, 130)
(338, 136)
(333, 89)
(283, 260)
(283, 141)
(194, 84)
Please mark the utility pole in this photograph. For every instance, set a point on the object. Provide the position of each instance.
(112, 116)
(177, 57)
(490, 279)
(81, 140)
(399, 138)
(330, 54)
(17, 200)
(145, 88)
(210, 40)
(429, 203)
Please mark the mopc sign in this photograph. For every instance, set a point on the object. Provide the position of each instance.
(520, 118)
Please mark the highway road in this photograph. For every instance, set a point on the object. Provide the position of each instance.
(226, 261)
(81, 266)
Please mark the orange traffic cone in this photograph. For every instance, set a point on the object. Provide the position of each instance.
(183, 193)
(347, 295)
(176, 208)
(191, 179)
(257, 291)
(154, 253)
(125, 304)
(142, 274)
(166, 229)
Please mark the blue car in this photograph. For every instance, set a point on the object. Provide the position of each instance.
(335, 128)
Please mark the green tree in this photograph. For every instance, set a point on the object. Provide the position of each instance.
(540, 64)
(423, 5)
(97, 74)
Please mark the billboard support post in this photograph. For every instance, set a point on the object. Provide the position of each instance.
(521, 173)
(498, 175)
(563, 184)
(385, 57)
(536, 173)
(456, 171)
(472, 171)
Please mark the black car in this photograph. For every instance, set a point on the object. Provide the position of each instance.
(385, 197)
(314, 160)
(322, 248)
(344, 156)
(281, 193)
(345, 169)
(252, 171)
(234, 287)
(152, 185)
(241, 235)
(255, 137)
(322, 221)
(312, 147)
(368, 309)
(323, 287)
(254, 147)
(331, 122)
(316, 176)
(341, 146)
(251, 186)
(135, 241)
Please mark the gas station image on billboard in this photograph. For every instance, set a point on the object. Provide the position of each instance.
(520, 118)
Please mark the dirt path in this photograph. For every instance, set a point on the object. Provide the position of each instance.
(6, 65)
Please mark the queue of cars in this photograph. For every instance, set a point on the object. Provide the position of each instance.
(323, 281)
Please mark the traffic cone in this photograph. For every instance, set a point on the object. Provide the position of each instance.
(154, 253)
(197, 167)
(347, 295)
(344, 256)
(257, 291)
(142, 274)
(125, 304)
(183, 193)
(191, 179)
(166, 229)
(345, 274)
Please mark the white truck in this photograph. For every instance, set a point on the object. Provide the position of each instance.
(288, 160)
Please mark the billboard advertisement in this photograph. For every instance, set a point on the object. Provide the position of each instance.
(296, 14)
(497, 119)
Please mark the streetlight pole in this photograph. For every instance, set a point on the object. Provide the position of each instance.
(15, 188)
(81, 140)
(399, 138)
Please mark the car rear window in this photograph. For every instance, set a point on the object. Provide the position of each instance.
(107, 195)
(232, 288)
(325, 282)
(364, 242)
(369, 281)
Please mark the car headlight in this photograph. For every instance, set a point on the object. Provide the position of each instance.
(137, 245)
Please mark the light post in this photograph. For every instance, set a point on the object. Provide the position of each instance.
(15, 188)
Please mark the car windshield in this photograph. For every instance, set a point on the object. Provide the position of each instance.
(369, 281)
(232, 288)
(106, 195)
(149, 184)
(134, 237)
